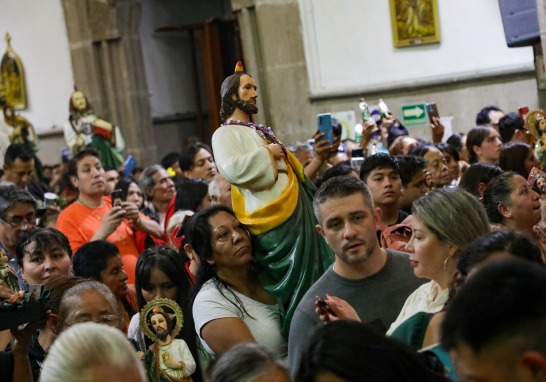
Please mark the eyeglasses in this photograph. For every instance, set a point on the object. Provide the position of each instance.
(19, 222)
(110, 320)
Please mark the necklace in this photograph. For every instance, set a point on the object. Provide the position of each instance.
(100, 219)
(265, 133)
(167, 344)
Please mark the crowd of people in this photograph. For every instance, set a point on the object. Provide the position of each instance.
(438, 274)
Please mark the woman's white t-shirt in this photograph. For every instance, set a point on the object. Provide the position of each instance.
(265, 324)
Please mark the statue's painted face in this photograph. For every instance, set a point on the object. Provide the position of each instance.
(78, 100)
(246, 99)
(542, 126)
(159, 324)
(3, 258)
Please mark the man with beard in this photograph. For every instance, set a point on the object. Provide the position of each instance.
(85, 129)
(271, 196)
(374, 280)
(171, 355)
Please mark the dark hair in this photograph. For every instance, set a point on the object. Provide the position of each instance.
(501, 302)
(447, 148)
(456, 140)
(190, 194)
(336, 127)
(515, 244)
(108, 168)
(378, 162)
(483, 116)
(92, 258)
(498, 192)
(337, 170)
(341, 346)
(123, 184)
(169, 159)
(73, 166)
(169, 262)
(43, 238)
(395, 132)
(187, 156)
(341, 187)
(9, 195)
(420, 150)
(508, 126)
(201, 234)
(17, 151)
(230, 86)
(409, 167)
(513, 156)
(475, 137)
(58, 285)
(476, 174)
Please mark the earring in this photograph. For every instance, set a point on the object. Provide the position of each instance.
(445, 262)
(509, 215)
(55, 331)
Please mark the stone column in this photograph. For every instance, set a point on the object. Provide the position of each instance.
(109, 68)
(274, 54)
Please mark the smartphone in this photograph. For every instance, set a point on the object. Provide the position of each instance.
(357, 153)
(117, 198)
(129, 166)
(325, 126)
(325, 306)
(432, 111)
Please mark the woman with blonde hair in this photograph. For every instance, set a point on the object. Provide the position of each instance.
(444, 223)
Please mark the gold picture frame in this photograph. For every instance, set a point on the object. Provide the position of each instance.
(414, 22)
(12, 76)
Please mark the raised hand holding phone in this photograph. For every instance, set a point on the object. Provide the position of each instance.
(325, 127)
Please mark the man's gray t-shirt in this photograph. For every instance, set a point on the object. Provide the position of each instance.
(377, 299)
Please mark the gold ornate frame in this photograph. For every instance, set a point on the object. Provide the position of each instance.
(531, 120)
(161, 302)
(10, 55)
(400, 42)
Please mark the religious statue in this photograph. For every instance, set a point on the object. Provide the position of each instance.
(86, 129)
(271, 196)
(168, 359)
(13, 77)
(535, 122)
(7, 273)
(15, 128)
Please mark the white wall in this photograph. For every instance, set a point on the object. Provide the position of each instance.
(39, 37)
(349, 44)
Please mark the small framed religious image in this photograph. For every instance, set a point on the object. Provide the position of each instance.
(414, 22)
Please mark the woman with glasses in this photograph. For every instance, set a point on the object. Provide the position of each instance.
(85, 302)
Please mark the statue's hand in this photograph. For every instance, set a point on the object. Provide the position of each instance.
(172, 364)
(276, 151)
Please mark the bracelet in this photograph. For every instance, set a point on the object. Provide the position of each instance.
(99, 235)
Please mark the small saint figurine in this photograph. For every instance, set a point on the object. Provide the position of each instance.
(7, 273)
(271, 196)
(168, 359)
(86, 129)
(535, 122)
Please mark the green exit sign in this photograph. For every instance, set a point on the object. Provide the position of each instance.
(415, 114)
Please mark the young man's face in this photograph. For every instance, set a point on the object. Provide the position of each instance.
(90, 179)
(348, 226)
(498, 364)
(414, 190)
(385, 185)
(19, 172)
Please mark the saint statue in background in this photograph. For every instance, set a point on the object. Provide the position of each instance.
(86, 129)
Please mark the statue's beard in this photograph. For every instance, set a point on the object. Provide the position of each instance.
(162, 335)
(246, 106)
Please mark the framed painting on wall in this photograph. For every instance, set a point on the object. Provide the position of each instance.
(414, 22)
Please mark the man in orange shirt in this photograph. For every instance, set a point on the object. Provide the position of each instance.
(92, 216)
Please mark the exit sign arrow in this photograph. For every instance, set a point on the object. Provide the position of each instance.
(416, 112)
